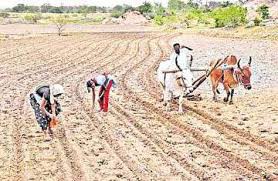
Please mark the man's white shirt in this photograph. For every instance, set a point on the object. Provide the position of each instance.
(183, 58)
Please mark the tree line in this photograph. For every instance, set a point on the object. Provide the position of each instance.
(47, 8)
(214, 13)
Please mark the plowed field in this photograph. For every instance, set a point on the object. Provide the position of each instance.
(136, 139)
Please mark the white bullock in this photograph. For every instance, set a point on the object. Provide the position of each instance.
(176, 79)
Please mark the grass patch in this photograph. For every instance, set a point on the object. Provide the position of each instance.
(262, 33)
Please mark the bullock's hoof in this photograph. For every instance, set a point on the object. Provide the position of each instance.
(214, 99)
(225, 100)
(231, 102)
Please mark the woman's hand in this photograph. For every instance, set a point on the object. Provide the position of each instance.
(54, 117)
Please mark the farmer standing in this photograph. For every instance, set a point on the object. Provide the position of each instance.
(105, 81)
(46, 107)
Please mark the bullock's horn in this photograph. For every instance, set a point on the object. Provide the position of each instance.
(250, 60)
(190, 61)
(238, 64)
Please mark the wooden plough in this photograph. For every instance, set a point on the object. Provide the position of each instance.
(200, 80)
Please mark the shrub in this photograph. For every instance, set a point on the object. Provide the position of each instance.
(257, 21)
(4, 15)
(264, 11)
(98, 19)
(229, 16)
(34, 18)
(75, 15)
(116, 14)
(171, 19)
(159, 20)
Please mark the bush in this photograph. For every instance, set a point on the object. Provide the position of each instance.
(158, 20)
(264, 11)
(4, 15)
(171, 19)
(230, 16)
(98, 19)
(116, 14)
(257, 21)
(34, 18)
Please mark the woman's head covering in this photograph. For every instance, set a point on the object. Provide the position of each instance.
(57, 89)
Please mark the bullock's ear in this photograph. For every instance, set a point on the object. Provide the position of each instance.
(238, 64)
(250, 60)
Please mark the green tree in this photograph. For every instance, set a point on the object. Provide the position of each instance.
(229, 16)
(60, 21)
(92, 9)
(19, 8)
(45, 8)
(159, 10)
(191, 4)
(176, 4)
(55, 10)
(226, 4)
(32, 9)
(118, 8)
(146, 7)
(128, 8)
(264, 11)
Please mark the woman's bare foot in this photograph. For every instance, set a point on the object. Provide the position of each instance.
(46, 136)
(50, 132)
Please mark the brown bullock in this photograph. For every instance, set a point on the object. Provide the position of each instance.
(230, 76)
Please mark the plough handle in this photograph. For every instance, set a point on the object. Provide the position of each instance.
(199, 79)
(199, 82)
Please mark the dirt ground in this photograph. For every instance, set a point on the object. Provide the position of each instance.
(136, 139)
(23, 30)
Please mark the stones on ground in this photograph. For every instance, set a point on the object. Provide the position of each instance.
(241, 123)
(264, 129)
(245, 119)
